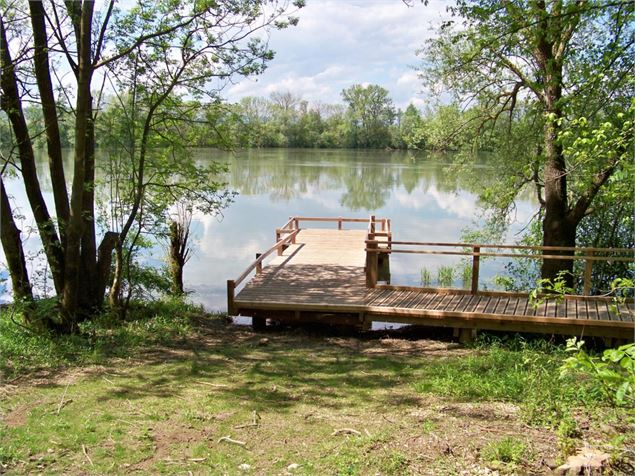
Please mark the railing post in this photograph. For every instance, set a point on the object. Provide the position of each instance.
(475, 266)
(588, 274)
(339, 223)
(231, 288)
(372, 259)
(383, 224)
(372, 225)
(258, 265)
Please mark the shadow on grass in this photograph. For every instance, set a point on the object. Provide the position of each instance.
(330, 370)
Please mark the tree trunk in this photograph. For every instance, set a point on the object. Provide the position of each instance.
(13, 251)
(11, 104)
(114, 296)
(54, 147)
(176, 257)
(90, 300)
(82, 130)
(558, 229)
(104, 262)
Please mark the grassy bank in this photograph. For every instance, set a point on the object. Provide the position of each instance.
(198, 395)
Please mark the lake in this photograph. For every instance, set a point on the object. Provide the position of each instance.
(425, 200)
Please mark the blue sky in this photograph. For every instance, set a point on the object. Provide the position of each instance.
(339, 43)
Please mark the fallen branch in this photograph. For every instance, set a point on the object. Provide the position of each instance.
(228, 439)
(217, 385)
(254, 422)
(86, 454)
(346, 431)
(59, 407)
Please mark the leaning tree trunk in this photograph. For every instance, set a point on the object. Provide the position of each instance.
(10, 102)
(49, 112)
(13, 251)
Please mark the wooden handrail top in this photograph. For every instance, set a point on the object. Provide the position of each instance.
(499, 255)
(287, 225)
(515, 247)
(337, 219)
(260, 259)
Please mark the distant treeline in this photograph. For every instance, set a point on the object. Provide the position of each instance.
(366, 118)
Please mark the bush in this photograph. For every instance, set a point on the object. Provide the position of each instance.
(613, 374)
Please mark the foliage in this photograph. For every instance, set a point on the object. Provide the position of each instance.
(508, 450)
(514, 370)
(426, 278)
(548, 84)
(149, 323)
(150, 57)
(445, 276)
(613, 373)
(550, 290)
(370, 112)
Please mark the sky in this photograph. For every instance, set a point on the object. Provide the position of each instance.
(338, 43)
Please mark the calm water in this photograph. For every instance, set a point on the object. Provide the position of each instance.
(425, 201)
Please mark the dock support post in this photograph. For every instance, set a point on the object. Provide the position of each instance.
(259, 323)
(475, 269)
(467, 336)
(372, 257)
(231, 289)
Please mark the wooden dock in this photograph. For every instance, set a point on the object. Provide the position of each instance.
(331, 276)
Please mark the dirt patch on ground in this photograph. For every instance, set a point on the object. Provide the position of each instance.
(17, 416)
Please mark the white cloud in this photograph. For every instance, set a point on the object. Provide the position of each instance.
(341, 43)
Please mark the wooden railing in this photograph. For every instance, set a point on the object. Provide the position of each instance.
(590, 255)
(256, 265)
(286, 235)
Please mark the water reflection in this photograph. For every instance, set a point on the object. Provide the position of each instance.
(424, 201)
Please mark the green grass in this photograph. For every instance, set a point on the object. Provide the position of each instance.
(508, 450)
(519, 372)
(159, 322)
(161, 406)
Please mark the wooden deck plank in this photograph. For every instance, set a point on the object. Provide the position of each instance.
(501, 306)
(457, 304)
(415, 298)
(421, 300)
(426, 302)
(491, 305)
(604, 312)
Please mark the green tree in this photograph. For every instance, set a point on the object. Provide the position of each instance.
(562, 60)
(371, 113)
(411, 128)
(202, 43)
